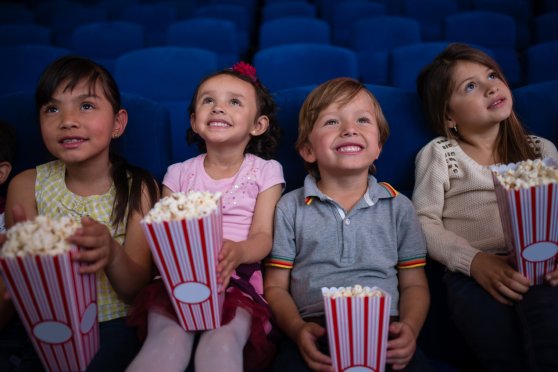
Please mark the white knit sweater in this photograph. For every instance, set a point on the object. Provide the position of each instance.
(456, 203)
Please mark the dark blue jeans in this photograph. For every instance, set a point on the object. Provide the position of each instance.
(119, 345)
(289, 358)
(522, 337)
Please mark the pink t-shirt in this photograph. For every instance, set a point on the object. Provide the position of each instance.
(239, 192)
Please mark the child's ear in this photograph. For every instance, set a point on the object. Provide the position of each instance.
(450, 123)
(120, 122)
(307, 153)
(193, 122)
(5, 169)
(260, 126)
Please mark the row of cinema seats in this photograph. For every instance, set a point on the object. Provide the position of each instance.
(371, 29)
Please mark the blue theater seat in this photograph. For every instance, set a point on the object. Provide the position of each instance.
(292, 65)
(346, 13)
(430, 14)
(215, 34)
(541, 61)
(288, 9)
(374, 38)
(12, 34)
(536, 107)
(106, 41)
(21, 66)
(545, 27)
(478, 27)
(154, 17)
(291, 30)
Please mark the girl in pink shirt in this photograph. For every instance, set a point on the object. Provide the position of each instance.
(233, 122)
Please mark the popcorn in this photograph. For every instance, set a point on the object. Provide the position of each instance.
(526, 193)
(180, 206)
(185, 235)
(356, 291)
(527, 174)
(57, 304)
(357, 320)
(41, 236)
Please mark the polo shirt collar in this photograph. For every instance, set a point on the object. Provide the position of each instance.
(376, 191)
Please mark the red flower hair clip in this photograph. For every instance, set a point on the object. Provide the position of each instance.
(246, 69)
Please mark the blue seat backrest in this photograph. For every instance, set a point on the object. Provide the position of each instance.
(537, 108)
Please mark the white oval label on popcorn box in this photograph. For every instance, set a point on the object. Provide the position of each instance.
(540, 251)
(192, 292)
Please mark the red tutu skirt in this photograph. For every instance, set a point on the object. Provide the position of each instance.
(259, 351)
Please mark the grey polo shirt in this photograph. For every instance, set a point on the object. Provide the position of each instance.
(325, 246)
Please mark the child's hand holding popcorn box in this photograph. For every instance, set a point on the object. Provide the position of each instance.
(357, 320)
(57, 305)
(528, 204)
(185, 234)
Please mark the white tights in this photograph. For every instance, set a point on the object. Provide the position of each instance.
(168, 347)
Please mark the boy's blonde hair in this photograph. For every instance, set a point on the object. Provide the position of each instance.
(342, 91)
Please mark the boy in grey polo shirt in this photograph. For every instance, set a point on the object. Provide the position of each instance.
(344, 228)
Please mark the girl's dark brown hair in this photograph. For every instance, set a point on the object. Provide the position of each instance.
(263, 145)
(341, 90)
(68, 72)
(435, 85)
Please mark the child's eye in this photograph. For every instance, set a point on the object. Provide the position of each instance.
(207, 100)
(50, 109)
(330, 122)
(364, 120)
(469, 87)
(87, 106)
(492, 76)
(235, 102)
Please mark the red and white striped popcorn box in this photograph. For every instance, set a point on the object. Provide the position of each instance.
(58, 307)
(530, 222)
(357, 330)
(186, 253)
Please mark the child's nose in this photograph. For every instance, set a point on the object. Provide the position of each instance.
(217, 109)
(348, 129)
(69, 120)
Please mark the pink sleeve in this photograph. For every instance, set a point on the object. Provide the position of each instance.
(172, 177)
(271, 174)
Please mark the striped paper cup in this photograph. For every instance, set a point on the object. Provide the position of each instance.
(357, 331)
(185, 252)
(530, 221)
(58, 307)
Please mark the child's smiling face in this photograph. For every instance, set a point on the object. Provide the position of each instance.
(345, 138)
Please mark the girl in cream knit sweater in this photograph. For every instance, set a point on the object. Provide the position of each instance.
(509, 325)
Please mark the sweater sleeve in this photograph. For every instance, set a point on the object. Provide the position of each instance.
(548, 149)
(429, 196)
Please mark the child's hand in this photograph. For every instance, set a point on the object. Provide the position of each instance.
(496, 275)
(401, 345)
(552, 278)
(306, 340)
(97, 245)
(229, 259)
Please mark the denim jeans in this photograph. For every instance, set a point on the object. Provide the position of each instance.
(119, 345)
(521, 337)
(289, 358)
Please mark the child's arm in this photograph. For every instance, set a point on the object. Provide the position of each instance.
(20, 203)
(305, 334)
(414, 300)
(127, 267)
(260, 238)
